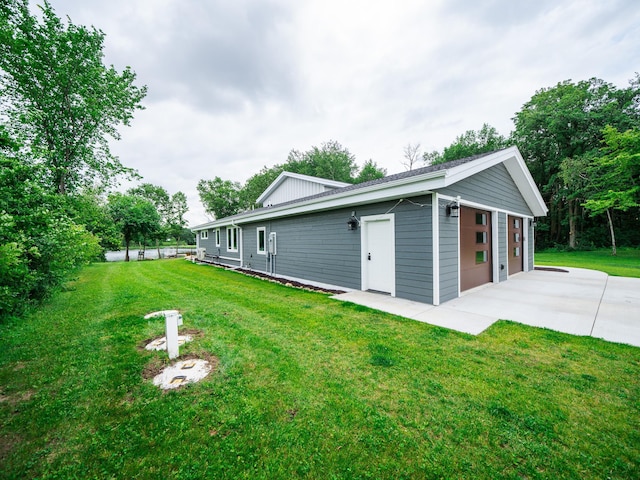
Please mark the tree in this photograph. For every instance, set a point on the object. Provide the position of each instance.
(370, 171)
(162, 202)
(89, 209)
(331, 161)
(40, 245)
(221, 198)
(614, 177)
(175, 220)
(60, 97)
(470, 143)
(136, 217)
(567, 122)
(411, 155)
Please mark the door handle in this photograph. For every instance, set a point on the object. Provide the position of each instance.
(369, 256)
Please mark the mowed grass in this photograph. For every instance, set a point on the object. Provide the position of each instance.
(305, 387)
(625, 264)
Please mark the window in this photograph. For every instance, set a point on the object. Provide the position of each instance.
(481, 237)
(516, 251)
(204, 234)
(261, 240)
(481, 218)
(516, 237)
(232, 239)
(516, 223)
(481, 257)
(217, 237)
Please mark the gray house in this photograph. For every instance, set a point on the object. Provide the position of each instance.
(425, 235)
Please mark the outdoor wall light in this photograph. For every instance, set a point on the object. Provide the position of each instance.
(353, 222)
(453, 209)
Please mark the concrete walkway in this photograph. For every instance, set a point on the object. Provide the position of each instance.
(578, 301)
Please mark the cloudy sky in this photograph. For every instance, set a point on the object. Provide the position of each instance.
(235, 85)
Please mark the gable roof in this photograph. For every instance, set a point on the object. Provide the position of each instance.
(307, 178)
(414, 182)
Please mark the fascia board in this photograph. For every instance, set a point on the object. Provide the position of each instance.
(516, 167)
(375, 193)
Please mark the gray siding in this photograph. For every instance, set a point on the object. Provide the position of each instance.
(493, 187)
(503, 260)
(319, 247)
(414, 250)
(230, 258)
(449, 268)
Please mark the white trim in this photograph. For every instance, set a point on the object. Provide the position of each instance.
(217, 234)
(240, 244)
(525, 244)
(458, 222)
(264, 243)
(390, 217)
(495, 244)
(231, 259)
(435, 241)
(235, 229)
(204, 234)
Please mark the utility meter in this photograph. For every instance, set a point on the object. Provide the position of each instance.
(272, 243)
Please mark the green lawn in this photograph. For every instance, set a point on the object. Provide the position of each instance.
(306, 387)
(625, 264)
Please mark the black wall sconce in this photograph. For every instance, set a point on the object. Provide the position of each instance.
(353, 222)
(453, 209)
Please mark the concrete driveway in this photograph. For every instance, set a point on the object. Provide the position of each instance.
(576, 301)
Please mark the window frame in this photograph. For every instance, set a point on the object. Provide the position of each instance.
(217, 237)
(204, 234)
(263, 231)
(232, 239)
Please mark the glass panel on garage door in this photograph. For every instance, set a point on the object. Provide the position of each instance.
(515, 245)
(475, 247)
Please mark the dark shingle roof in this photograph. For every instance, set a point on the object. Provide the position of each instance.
(357, 186)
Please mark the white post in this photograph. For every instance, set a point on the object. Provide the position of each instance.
(172, 320)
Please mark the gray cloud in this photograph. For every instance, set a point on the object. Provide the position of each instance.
(234, 86)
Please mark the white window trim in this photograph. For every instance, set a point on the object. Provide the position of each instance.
(217, 237)
(264, 230)
(232, 233)
(204, 234)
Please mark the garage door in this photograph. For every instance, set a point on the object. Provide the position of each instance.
(515, 245)
(475, 247)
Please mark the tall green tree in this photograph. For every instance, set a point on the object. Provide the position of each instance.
(220, 198)
(613, 178)
(60, 98)
(40, 244)
(331, 161)
(369, 171)
(470, 143)
(176, 221)
(136, 217)
(562, 124)
(162, 202)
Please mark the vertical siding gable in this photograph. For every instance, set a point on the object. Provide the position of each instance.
(293, 188)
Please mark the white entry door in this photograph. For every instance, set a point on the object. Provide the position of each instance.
(378, 254)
